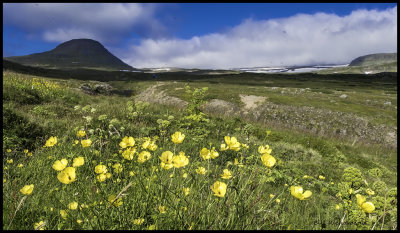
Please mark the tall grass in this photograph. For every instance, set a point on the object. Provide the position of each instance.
(145, 195)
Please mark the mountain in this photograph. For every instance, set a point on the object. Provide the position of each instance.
(76, 53)
(374, 59)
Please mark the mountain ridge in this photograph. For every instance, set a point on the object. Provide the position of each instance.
(76, 53)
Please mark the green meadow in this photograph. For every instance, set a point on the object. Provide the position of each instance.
(200, 152)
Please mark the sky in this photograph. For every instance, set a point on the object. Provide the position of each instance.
(207, 35)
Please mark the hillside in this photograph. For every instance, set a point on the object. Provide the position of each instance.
(368, 64)
(77, 53)
(334, 135)
(374, 59)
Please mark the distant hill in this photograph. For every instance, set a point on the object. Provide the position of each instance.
(76, 53)
(374, 59)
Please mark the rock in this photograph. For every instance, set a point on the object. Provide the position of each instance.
(103, 88)
(87, 89)
(344, 96)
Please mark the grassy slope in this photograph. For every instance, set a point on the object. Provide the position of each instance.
(52, 110)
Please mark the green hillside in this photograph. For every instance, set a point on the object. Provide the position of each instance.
(77, 53)
(334, 135)
(374, 59)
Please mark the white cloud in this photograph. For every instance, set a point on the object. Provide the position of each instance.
(105, 22)
(298, 40)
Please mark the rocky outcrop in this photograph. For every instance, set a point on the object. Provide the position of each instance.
(96, 89)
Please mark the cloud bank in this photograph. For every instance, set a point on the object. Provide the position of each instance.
(105, 22)
(302, 39)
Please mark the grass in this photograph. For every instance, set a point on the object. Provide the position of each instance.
(257, 196)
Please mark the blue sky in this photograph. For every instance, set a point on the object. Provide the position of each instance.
(207, 35)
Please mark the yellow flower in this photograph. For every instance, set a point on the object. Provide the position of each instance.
(223, 147)
(81, 134)
(350, 191)
(264, 149)
(76, 142)
(108, 175)
(63, 214)
(26, 151)
(205, 153)
(297, 192)
(201, 170)
(79, 221)
(127, 141)
(214, 154)
(144, 156)
(77, 162)
(237, 163)
(59, 165)
(278, 201)
(138, 221)
(152, 146)
(268, 160)
(29, 154)
(73, 205)
(51, 142)
(337, 207)
(20, 165)
(10, 160)
(86, 143)
(186, 191)
(39, 225)
(219, 189)
(306, 177)
(177, 137)
(4, 180)
(8, 150)
(146, 144)
(271, 195)
(122, 144)
(117, 168)
(370, 192)
(367, 207)
(99, 169)
(117, 202)
(67, 175)
(131, 173)
(226, 174)
(162, 209)
(102, 177)
(151, 227)
(180, 160)
(27, 189)
(232, 143)
(131, 141)
(166, 160)
(185, 175)
(321, 177)
(129, 153)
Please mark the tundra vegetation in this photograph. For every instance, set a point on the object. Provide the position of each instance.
(310, 152)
